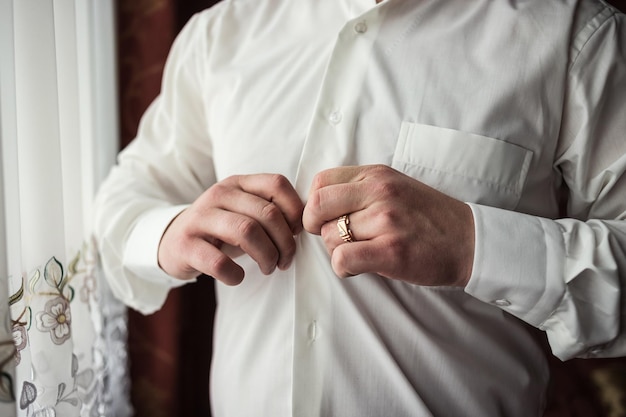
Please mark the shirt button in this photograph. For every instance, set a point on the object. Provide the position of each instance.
(335, 117)
(502, 302)
(360, 27)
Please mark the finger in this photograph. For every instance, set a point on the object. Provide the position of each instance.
(360, 228)
(245, 232)
(346, 190)
(329, 203)
(361, 257)
(278, 190)
(269, 216)
(209, 260)
(338, 191)
(339, 175)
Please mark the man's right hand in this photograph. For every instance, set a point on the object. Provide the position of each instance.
(256, 214)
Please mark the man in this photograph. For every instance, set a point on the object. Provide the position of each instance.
(463, 162)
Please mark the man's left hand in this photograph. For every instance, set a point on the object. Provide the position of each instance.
(401, 228)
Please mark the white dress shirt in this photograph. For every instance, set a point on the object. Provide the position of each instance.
(506, 105)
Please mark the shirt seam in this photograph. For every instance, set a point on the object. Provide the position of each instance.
(609, 12)
(490, 184)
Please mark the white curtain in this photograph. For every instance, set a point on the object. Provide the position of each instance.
(62, 336)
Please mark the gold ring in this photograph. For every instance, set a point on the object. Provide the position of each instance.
(344, 231)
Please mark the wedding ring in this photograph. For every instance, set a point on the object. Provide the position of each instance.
(344, 231)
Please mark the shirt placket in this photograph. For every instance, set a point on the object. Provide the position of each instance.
(330, 143)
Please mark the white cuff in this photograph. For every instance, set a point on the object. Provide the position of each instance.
(141, 253)
(517, 263)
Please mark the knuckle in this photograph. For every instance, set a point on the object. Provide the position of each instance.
(185, 243)
(318, 180)
(179, 235)
(387, 190)
(224, 187)
(379, 170)
(247, 228)
(388, 217)
(232, 179)
(278, 181)
(314, 203)
(218, 265)
(214, 193)
(309, 220)
(271, 212)
(312, 216)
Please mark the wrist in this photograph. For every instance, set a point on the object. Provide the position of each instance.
(466, 248)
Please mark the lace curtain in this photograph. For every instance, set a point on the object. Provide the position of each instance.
(62, 335)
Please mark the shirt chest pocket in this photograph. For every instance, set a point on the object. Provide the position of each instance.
(466, 166)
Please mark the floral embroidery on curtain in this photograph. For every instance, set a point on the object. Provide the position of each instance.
(63, 336)
(58, 287)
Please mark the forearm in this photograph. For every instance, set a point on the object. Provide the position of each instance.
(128, 226)
(166, 167)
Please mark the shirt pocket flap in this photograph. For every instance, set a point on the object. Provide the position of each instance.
(466, 166)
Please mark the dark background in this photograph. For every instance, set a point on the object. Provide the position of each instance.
(169, 351)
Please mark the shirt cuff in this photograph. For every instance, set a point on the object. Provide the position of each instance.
(141, 254)
(518, 263)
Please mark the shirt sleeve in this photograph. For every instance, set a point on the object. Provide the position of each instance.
(166, 167)
(568, 276)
